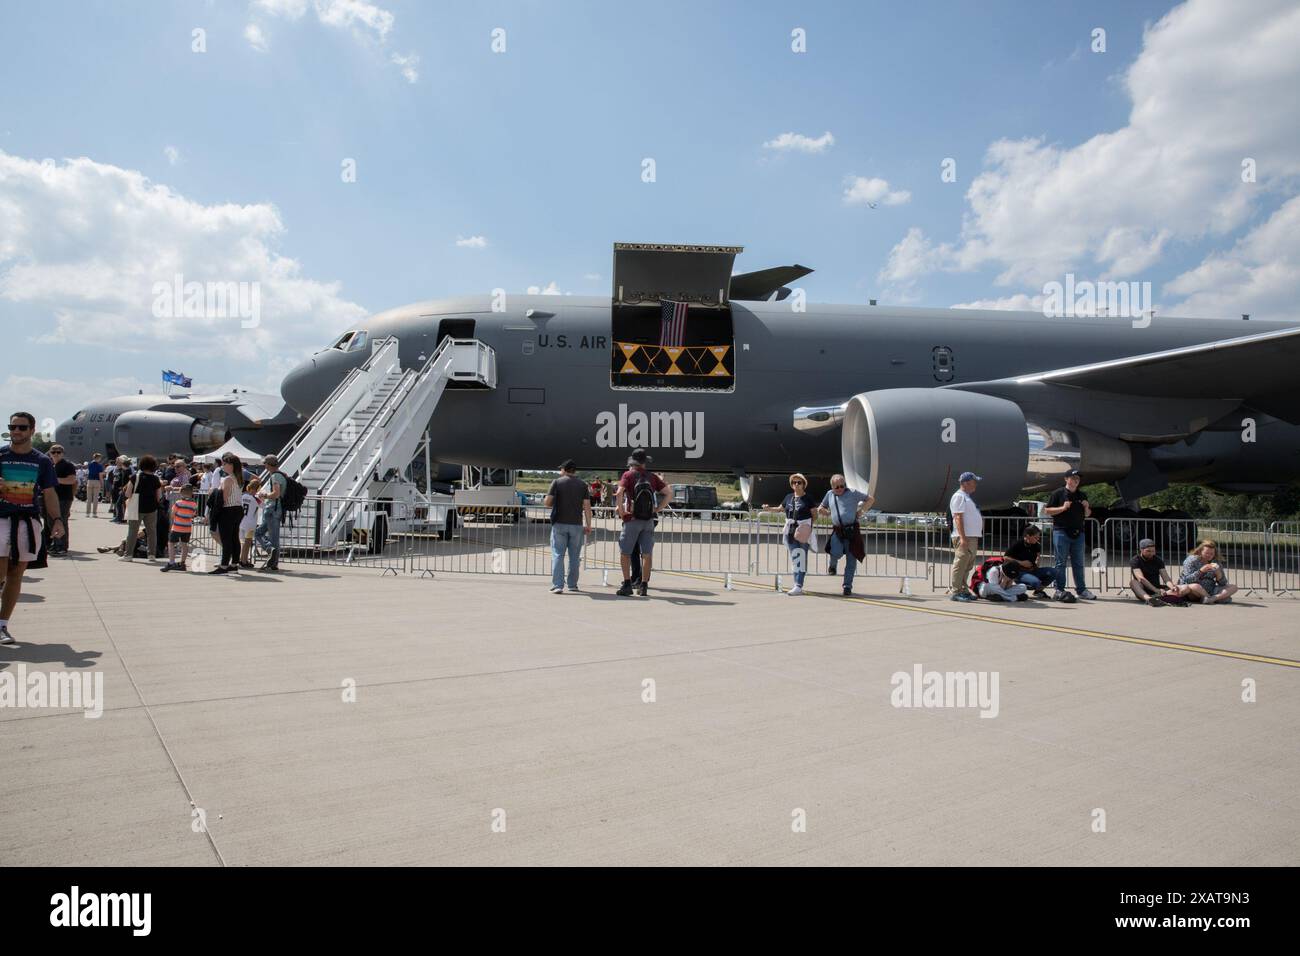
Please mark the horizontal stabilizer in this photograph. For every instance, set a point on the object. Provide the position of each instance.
(756, 286)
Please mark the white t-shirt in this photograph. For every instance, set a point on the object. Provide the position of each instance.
(972, 521)
(249, 521)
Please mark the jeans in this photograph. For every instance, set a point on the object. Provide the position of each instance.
(1041, 578)
(565, 537)
(840, 548)
(60, 545)
(799, 561)
(1069, 548)
(267, 535)
(1011, 593)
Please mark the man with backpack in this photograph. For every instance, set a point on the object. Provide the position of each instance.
(267, 536)
(640, 497)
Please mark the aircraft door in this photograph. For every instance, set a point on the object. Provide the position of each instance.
(456, 329)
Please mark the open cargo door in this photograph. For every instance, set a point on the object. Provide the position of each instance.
(653, 283)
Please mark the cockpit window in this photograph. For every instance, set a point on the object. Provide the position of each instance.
(79, 416)
(353, 341)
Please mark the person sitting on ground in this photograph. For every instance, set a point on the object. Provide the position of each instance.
(1002, 584)
(1205, 576)
(1025, 553)
(1151, 583)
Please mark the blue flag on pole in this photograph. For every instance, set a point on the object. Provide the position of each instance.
(176, 378)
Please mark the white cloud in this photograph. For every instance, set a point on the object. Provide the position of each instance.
(550, 289)
(799, 143)
(408, 65)
(912, 257)
(471, 242)
(173, 154)
(255, 37)
(1260, 275)
(85, 242)
(859, 190)
(1206, 93)
(592, 276)
(368, 22)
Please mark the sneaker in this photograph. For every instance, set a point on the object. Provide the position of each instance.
(220, 569)
(1087, 595)
(1065, 597)
(643, 589)
(995, 598)
(963, 596)
(1022, 597)
(573, 588)
(6, 637)
(1156, 602)
(830, 568)
(625, 590)
(169, 566)
(557, 590)
(126, 557)
(848, 591)
(795, 591)
(1041, 595)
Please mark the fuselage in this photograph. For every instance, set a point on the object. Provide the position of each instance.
(556, 398)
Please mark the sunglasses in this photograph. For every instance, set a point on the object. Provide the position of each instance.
(20, 428)
(797, 482)
(838, 487)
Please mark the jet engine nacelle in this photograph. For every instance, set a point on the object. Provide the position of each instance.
(165, 433)
(909, 445)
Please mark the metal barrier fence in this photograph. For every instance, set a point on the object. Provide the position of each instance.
(399, 537)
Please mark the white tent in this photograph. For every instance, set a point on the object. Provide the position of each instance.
(233, 447)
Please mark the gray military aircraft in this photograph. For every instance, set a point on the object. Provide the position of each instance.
(177, 424)
(901, 400)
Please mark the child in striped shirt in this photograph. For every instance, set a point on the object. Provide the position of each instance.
(184, 509)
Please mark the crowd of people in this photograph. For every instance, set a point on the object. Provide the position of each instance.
(160, 505)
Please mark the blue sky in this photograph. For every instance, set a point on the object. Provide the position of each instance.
(538, 151)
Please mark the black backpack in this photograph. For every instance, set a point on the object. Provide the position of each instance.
(643, 498)
(295, 493)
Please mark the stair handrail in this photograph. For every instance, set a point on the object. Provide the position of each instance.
(377, 347)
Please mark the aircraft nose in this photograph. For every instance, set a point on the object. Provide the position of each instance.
(63, 434)
(312, 382)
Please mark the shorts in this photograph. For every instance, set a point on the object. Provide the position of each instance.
(637, 532)
(181, 537)
(247, 534)
(25, 554)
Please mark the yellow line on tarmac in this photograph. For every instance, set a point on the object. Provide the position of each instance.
(1031, 625)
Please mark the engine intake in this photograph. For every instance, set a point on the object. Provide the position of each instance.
(909, 445)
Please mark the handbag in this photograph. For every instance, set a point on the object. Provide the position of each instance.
(133, 507)
(803, 532)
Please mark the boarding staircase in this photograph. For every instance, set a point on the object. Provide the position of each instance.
(371, 425)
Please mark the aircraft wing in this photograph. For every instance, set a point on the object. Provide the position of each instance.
(1262, 371)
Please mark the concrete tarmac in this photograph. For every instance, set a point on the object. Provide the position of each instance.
(331, 715)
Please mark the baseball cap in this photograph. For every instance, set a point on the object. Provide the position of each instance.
(969, 476)
(1146, 543)
(1074, 473)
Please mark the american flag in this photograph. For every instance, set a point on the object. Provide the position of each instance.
(672, 326)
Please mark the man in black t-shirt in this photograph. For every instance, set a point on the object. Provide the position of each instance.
(1068, 508)
(66, 472)
(1025, 553)
(1151, 583)
(569, 499)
